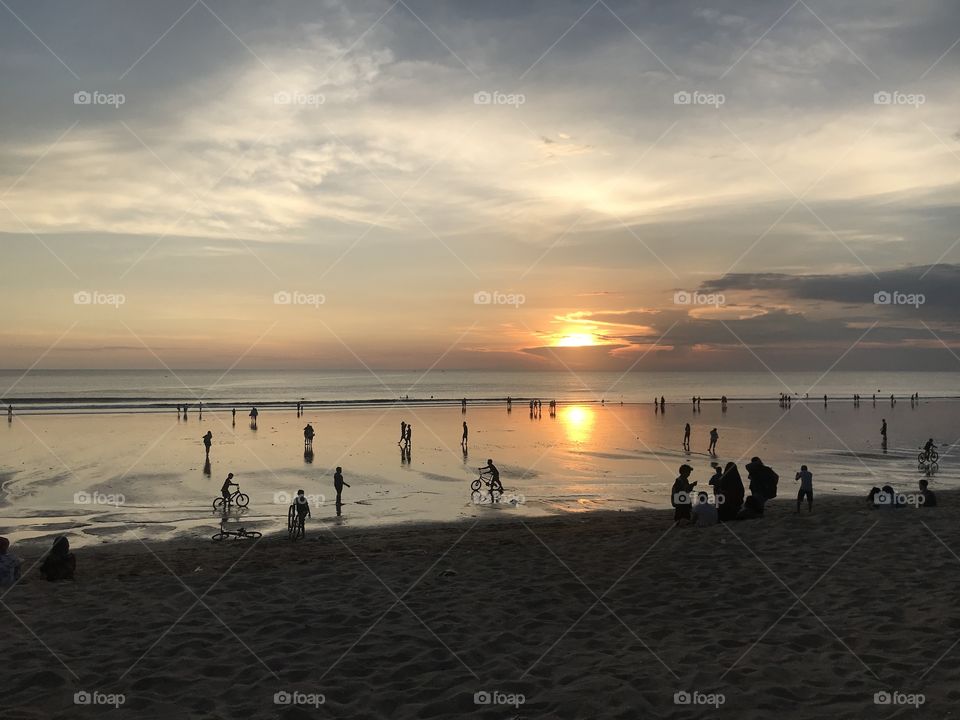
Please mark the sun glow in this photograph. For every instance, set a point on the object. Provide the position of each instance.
(576, 340)
(578, 422)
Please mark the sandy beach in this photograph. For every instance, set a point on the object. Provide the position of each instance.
(598, 615)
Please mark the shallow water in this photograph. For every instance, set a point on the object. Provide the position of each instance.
(587, 457)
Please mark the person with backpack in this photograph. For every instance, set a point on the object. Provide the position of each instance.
(763, 480)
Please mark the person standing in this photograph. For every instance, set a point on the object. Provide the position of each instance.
(208, 441)
(680, 495)
(403, 432)
(714, 436)
(883, 431)
(686, 437)
(463, 440)
(338, 485)
(806, 488)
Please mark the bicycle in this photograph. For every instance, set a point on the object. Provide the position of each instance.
(928, 457)
(493, 485)
(295, 528)
(239, 534)
(236, 498)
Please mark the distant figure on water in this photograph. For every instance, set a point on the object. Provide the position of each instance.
(686, 437)
(463, 440)
(806, 488)
(663, 404)
(714, 436)
(234, 414)
(208, 441)
(403, 432)
(338, 485)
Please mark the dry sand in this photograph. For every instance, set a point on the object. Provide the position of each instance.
(603, 615)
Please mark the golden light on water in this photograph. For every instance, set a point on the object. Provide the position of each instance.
(578, 421)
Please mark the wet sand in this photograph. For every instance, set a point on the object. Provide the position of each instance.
(587, 458)
(598, 615)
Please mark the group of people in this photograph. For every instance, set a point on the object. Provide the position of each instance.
(59, 563)
(711, 448)
(729, 497)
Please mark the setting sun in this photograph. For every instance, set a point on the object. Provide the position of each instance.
(576, 340)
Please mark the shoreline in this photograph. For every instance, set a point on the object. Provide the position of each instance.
(606, 614)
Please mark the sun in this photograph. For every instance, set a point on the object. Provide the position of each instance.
(576, 340)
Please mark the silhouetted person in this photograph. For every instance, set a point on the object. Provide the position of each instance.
(9, 565)
(60, 564)
(714, 436)
(403, 432)
(208, 441)
(408, 441)
(663, 404)
(763, 480)
(303, 507)
(10, 413)
(714, 481)
(680, 495)
(201, 409)
(686, 437)
(929, 499)
(883, 431)
(463, 440)
(225, 488)
(509, 403)
(254, 414)
(338, 485)
(308, 434)
(731, 493)
(806, 488)
(234, 416)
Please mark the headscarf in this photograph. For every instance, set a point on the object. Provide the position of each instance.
(4, 545)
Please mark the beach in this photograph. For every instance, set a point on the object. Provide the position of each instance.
(598, 615)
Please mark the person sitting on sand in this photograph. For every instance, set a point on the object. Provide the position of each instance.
(680, 495)
(9, 564)
(763, 480)
(731, 495)
(704, 512)
(60, 564)
(806, 488)
(752, 508)
(225, 488)
(715, 480)
(885, 497)
(929, 499)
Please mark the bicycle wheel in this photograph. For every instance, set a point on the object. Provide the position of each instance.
(220, 536)
(252, 534)
(242, 499)
(475, 485)
(921, 458)
(217, 503)
(934, 456)
(291, 521)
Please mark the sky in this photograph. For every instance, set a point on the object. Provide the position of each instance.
(549, 184)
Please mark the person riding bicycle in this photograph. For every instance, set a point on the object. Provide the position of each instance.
(928, 446)
(225, 489)
(492, 470)
(303, 507)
